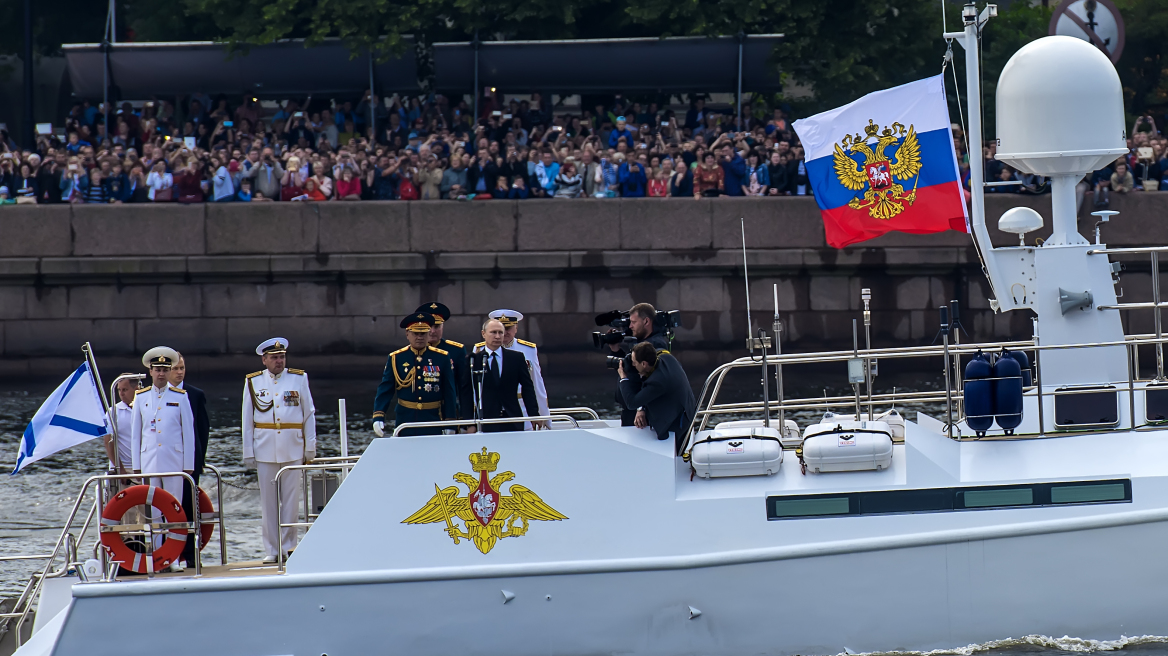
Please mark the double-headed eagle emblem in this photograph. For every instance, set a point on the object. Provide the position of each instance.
(885, 197)
(487, 514)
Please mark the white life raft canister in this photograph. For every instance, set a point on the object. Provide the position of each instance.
(737, 451)
(847, 445)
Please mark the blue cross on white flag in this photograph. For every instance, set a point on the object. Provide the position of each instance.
(72, 414)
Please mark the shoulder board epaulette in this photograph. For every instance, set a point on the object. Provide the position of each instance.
(144, 389)
(254, 375)
(298, 372)
(454, 344)
(175, 389)
(404, 348)
(526, 343)
(480, 344)
(439, 351)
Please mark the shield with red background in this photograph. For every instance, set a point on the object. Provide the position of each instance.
(484, 501)
(879, 175)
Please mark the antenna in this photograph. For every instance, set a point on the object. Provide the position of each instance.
(746, 274)
(762, 342)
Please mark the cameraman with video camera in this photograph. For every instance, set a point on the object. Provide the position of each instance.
(664, 400)
(640, 324)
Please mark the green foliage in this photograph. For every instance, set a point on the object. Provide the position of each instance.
(836, 49)
(149, 20)
(61, 21)
(841, 49)
(1143, 66)
(1002, 37)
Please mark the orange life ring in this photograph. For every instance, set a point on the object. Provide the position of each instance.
(207, 528)
(172, 513)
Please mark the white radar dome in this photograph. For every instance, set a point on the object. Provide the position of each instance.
(1060, 108)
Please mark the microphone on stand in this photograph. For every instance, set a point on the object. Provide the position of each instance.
(477, 370)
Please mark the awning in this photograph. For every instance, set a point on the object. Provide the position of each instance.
(287, 68)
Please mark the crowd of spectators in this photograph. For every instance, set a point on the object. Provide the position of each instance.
(198, 149)
(1143, 168)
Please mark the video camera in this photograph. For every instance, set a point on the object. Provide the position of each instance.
(618, 322)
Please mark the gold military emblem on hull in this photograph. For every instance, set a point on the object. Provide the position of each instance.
(486, 513)
(884, 197)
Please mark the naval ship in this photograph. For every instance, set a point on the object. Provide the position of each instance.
(1037, 504)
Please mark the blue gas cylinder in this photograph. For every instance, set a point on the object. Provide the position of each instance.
(1007, 386)
(979, 398)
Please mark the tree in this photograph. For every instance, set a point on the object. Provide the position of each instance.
(841, 49)
(1143, 66)
(54, 23)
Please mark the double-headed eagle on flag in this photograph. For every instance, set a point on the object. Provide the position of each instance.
(885, 196)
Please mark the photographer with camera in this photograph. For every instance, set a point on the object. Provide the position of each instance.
(639, 324)
(663, 398)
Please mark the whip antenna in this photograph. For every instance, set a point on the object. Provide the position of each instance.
(746, 274)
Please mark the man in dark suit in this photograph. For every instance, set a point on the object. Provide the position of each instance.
(504, 374)
(177, 378)
(665, 401)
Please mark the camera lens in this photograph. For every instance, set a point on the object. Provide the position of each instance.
(612, 362)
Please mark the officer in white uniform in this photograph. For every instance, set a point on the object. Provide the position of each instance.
(162, 427)
(117, 444)
(279, 429)
(510, 320)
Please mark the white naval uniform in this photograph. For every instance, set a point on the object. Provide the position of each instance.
(280, 436)
(531, 352)
(162, 436)
(122, 420)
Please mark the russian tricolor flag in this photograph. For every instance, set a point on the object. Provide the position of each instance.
(885, 162)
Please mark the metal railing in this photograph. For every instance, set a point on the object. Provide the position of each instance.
(709, 407)
(581, 410)
(68, 542)
(1154, 253)
(342, 463)
(479, 423)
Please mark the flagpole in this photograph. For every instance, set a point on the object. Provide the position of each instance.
(968, 38)
(89, 359)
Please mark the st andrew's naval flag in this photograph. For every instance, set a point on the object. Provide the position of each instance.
(71, 415)
(885, 162)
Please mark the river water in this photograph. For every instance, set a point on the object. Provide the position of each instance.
(35, 503)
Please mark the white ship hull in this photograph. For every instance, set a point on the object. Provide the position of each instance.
(649, 562)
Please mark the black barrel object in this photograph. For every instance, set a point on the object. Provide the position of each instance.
(1007, 389)
(979, 393)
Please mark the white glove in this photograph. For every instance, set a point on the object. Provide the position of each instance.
(309, 456)
(249, 463)
(379, 428)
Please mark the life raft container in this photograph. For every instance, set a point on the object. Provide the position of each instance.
(172, 513)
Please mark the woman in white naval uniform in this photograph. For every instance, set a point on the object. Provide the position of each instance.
(162, 426)
(279, 429)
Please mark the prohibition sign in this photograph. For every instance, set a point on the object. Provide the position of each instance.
(1097, 21)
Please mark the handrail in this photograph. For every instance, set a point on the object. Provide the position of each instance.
(708, 405)
(280, 526)
(1134, 250)
(43, 574)
(30, 557)
(575, 410)
(222, 524)
(36, 580)
(478, 423)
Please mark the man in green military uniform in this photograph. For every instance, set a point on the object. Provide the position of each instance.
(421, 377)
(458, 358)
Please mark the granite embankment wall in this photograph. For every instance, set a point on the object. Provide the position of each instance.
(336, 278)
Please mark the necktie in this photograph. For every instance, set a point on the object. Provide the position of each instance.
(495, 365)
